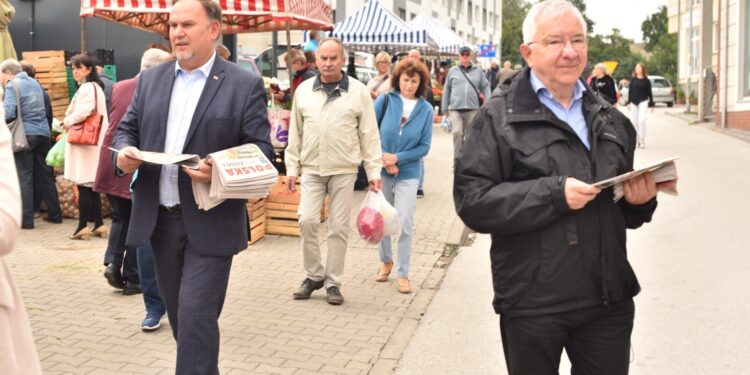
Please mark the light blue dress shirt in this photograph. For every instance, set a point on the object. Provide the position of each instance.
(573, 115)
(186, 91)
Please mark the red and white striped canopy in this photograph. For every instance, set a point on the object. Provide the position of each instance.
(240, 16)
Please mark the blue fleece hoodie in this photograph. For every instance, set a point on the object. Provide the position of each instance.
(410, 143)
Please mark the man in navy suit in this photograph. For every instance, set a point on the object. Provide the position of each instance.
(197, 105)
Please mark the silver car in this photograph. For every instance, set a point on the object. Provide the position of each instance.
(662, 90)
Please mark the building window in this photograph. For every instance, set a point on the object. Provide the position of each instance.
(412, 16)
(434, 14)
(471, 11)
(746, 52)
(694, 49)
(402, 13)
(484, 19)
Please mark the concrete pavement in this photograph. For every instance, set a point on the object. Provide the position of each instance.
(83, 326)
(693, 314)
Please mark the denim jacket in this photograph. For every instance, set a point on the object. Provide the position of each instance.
(32, 104)
(411, 142)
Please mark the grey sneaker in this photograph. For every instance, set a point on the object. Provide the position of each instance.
(306, 288)
(334, 296)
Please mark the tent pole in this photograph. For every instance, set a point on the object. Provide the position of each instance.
(288, 64)
(83, 34)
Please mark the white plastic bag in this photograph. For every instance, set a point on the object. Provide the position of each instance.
(446, 124)
(376, 218)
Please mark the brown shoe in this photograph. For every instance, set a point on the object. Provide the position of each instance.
(83, 234)
(100, 231)
(383, 272)
(403, 285)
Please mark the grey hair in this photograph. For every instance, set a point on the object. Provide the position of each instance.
(337, 41)
(11, 66)
(551, 9)
(601, 67)
(415, 51)
(153, 57)
(383, 56)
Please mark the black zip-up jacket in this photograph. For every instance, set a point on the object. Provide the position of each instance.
(509, 182)
(605, 88)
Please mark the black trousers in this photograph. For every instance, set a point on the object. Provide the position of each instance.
(194, 287)
(34, 175)
(597, 340)
(123, 257)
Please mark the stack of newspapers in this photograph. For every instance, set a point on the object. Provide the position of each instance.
(241, 172)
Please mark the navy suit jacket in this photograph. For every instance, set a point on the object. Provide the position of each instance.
(231, 111)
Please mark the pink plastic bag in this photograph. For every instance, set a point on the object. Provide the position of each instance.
(376, 218)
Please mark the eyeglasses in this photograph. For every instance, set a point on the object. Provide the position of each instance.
(579, 43)
(465, 53)
(383, 62)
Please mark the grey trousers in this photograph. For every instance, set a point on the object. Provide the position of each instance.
(460, 121)
(314, 189)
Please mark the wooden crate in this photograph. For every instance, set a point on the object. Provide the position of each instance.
(281, 210)
(52, 75)
(256, 213)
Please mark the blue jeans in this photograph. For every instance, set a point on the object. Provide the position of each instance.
(151, 297)
(402, 194)
(421, 176)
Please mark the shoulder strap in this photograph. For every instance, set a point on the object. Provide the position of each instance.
(18, 100)
(471, 83)
(381, 82)
(382, 112)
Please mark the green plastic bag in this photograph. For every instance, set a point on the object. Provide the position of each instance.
(56, 155)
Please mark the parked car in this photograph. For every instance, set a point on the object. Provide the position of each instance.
(364, 73)
(661, 89)
(248, 63)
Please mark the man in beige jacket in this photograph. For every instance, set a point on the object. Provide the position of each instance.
(333, 129)
(17, 351)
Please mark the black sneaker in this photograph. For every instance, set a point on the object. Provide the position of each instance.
(306, 288)
(131, 289)
(113, 276)
(420, 193)
(334, 296)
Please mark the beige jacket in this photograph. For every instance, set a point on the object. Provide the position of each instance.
(331, 136)
(17, 351)
(82, 161)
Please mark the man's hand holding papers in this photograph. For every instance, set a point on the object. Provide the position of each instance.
(641, 185)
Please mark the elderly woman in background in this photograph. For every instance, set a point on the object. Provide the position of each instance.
(381, 84)
(30, 164)
(405, 121)
(17, 351)
(82, 161)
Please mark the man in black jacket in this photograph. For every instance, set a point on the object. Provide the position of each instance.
(560, 272)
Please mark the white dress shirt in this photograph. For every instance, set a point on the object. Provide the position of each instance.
(186, 91)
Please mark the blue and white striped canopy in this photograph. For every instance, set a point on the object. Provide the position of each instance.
(447, 40)
(373, 28)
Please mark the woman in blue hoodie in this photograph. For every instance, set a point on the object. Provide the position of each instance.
(405, 121)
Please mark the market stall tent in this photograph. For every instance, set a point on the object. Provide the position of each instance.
(374, 28)
(239, 16)
(448, 42)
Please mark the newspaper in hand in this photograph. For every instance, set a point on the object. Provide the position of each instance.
(241, 172)
(661, 171)
(163, 158)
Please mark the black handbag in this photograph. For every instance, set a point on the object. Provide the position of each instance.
(18, 134)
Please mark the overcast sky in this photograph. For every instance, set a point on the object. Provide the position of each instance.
(626, 15)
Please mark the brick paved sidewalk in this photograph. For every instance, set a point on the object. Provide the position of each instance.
(82, 326)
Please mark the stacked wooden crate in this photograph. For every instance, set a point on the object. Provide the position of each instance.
(51, 74)
(281, 210)
(256, 212)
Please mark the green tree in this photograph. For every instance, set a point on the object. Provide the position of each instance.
(581, 5)
(663, 61)
(614, 47)
(514, 11)
(654, 27)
